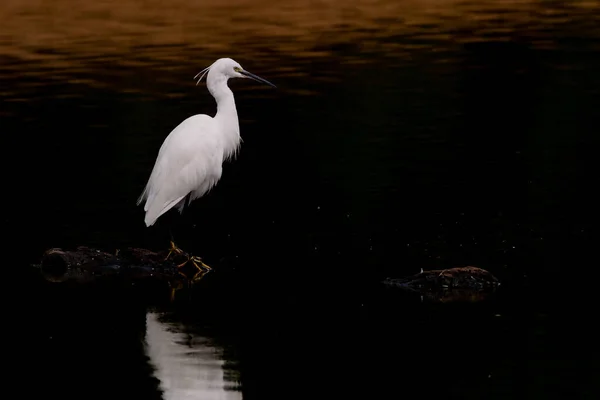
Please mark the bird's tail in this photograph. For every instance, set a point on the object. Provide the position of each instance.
(155, 208)
(142, 196)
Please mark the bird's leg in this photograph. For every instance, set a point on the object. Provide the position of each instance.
(173, 249)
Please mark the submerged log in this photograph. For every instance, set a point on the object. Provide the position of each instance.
(157, 272)
(455, 278)
(85, 264)
(447, 285)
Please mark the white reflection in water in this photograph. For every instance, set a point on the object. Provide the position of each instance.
(188, 366)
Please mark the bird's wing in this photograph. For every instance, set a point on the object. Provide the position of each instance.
(189, 160)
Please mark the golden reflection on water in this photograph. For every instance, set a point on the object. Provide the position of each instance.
(135, 33)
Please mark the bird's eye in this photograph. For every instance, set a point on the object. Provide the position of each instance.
(237, 69)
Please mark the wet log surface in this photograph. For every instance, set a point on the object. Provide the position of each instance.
(472, 278)
(88, 265)
(85, 264)
(448, 285)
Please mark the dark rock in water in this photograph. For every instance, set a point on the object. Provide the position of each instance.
(453, 284)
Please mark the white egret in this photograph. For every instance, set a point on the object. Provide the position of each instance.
(190, 160)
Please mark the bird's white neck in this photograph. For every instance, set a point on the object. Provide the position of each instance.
(226, 113)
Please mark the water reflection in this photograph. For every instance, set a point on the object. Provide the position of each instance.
(79, 37)
(188, 365)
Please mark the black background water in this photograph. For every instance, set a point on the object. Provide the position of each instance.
(401, 136)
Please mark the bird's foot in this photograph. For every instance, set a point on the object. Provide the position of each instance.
(173, 249)
(195, 260)
(198, 263)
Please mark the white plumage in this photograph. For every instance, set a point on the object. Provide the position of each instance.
(190, 160)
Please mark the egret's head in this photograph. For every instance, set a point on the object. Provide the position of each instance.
(228, 68)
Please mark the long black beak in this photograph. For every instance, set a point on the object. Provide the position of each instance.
(256, 78)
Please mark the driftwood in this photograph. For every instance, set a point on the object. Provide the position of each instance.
(447, 285)
(87, 265)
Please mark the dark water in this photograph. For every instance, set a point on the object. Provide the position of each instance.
(402, 135)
